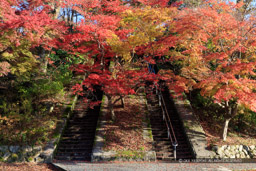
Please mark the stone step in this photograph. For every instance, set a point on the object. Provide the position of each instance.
(169, 144)
(165, 137)
(164, 154)
(75, 146)
(160, 158)
(78, 133)
(75, 150)
(72, 143)
(180, 147)
(81, 128)
(89, 124)
(79, 138)
(84, 119)
(81, 153)
(74, 158)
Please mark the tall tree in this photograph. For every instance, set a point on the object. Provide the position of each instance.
(106, 33)
(219, 56)
(25, 25)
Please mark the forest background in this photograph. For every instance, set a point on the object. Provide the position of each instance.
(204, 49)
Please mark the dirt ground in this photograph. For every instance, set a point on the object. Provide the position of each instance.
(126, 132)
(27, 167)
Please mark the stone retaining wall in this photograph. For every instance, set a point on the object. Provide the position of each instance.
(235, 151)
(26, 153)
(194, 131)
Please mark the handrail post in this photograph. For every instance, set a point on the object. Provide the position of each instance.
(175, 144)
(159, 99)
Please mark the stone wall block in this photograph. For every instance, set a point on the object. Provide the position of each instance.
(240, 147)
(245, 152)
(4, 148)
(27, 149)
(14, 149)
(246, 148)
(252, 147)
(6, 155)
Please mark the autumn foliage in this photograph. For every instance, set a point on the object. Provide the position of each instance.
(218, 54)
(213, 43)
(24, 26)
(115, 31)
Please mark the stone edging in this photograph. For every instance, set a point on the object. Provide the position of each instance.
(194, 131)
(68, 110)
(98, 154)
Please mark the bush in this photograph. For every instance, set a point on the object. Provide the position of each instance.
(206, 105)
(24, 117)
(24, 106)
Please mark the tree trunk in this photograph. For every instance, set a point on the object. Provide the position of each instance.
(110, 106)
(64, 14)
(45, 64)
(45, 61)
(76, 18)
(122, 102)
(72, 16)
(231, 111)
(225, 129)
(43, 55)
(68, 16)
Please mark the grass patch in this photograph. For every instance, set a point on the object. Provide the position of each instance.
(128, 154)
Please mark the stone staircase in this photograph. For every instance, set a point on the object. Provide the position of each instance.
(77, 140)
(162, 144)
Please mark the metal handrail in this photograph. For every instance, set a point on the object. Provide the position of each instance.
(167, 120)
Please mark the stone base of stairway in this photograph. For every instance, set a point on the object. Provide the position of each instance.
(99, 155)
(193, 129)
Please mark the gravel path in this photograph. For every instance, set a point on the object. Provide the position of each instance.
(130, 167)
(157, 166)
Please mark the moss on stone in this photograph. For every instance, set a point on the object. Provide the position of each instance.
(149, 127)
(186, 124)
(14, 157)
(30, 159)
(132, 96)
(100, 119)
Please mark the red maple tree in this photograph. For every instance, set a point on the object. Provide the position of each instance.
(96, 36)
(218, 55)
(25, 25)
